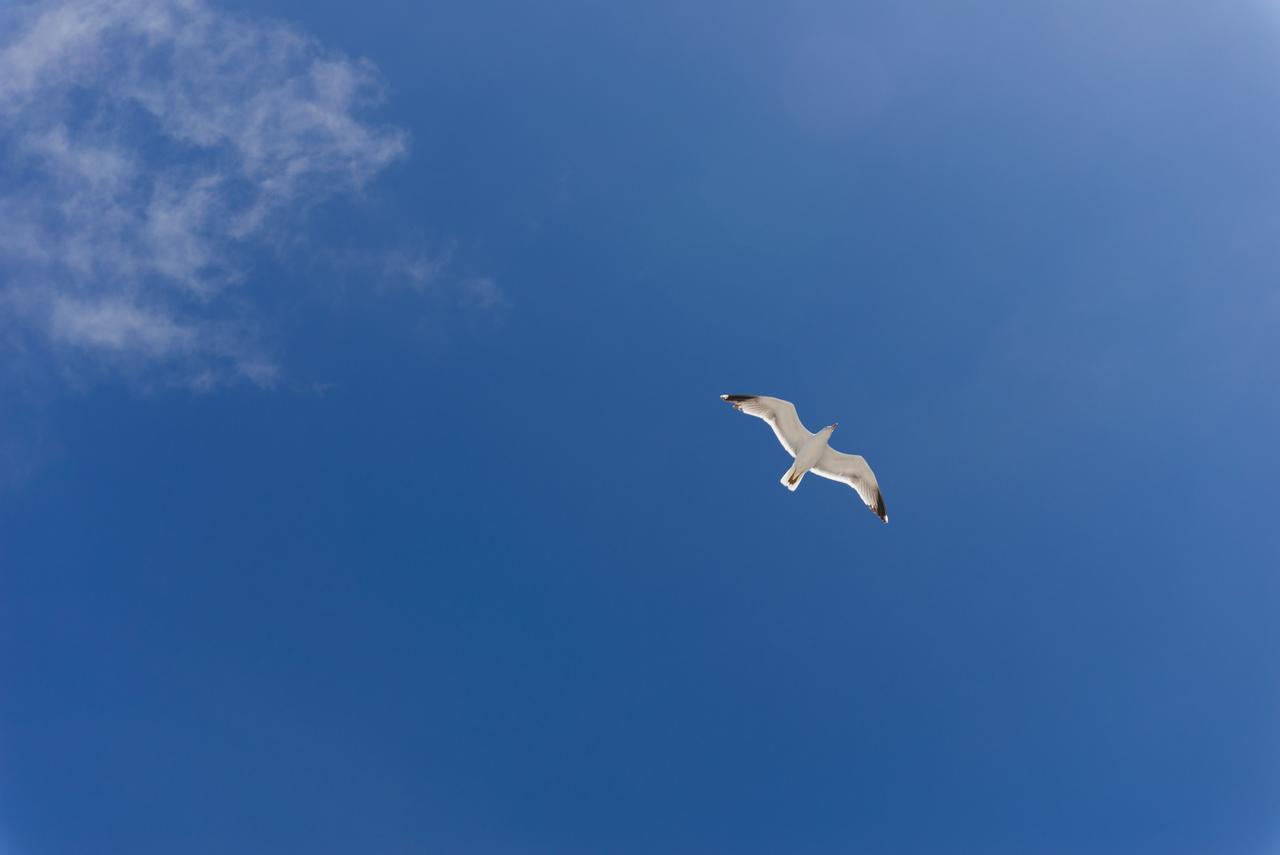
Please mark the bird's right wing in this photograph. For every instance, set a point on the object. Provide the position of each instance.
(780, 414)
(852, 469)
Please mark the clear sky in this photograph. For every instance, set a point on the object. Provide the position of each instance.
(364, 486)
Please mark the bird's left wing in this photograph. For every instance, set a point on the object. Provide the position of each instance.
(780, 414)
(853, 470)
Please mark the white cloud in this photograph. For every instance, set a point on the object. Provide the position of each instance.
(483, 293)
(404, 266)
(117, 325)
(427, 272)
(145, 145)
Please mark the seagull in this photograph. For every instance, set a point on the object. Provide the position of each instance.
(810, 450)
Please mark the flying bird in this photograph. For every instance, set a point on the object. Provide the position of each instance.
(810, 450)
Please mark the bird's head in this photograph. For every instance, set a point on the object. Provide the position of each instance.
(832, 427)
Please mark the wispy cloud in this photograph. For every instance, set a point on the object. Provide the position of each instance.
(483, 293)
(145, 147)
(417, 267)
(397, 267)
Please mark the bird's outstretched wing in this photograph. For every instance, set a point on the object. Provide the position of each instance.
(853, 470)
(780, 414)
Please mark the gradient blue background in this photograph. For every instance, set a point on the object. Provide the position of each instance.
(517, 582)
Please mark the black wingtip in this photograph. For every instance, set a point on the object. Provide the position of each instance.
(737, 399)
(880, 511)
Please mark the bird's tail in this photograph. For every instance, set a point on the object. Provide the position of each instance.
(791, 478)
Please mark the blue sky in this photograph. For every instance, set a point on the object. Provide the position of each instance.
(364, 486)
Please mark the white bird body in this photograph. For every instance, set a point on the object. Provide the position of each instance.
(811, 450)
(807, 456)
